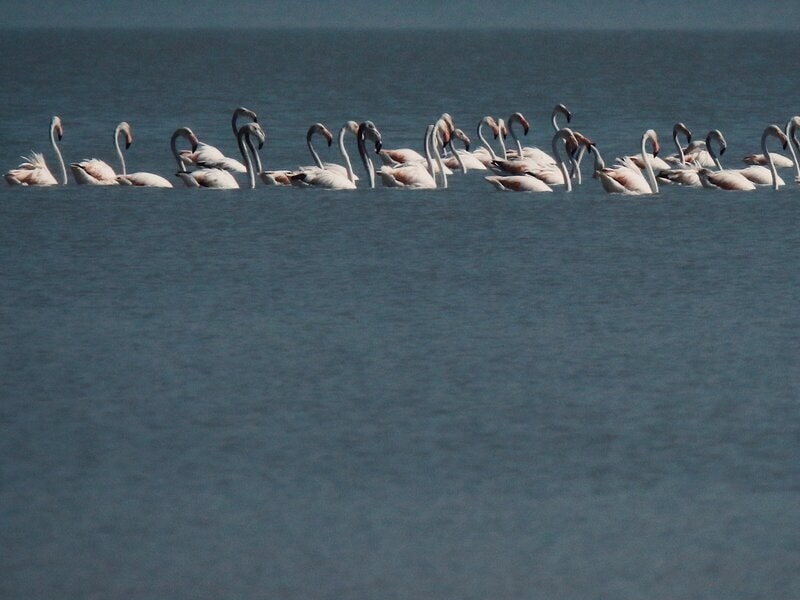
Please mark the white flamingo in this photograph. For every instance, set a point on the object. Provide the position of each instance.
(34, 170)
(331, 176)
(462, 159)
(210, 157)
(485, 153)
(761, 175)
(417, 175)
(141, 178)
(529, 183)
(284, 176)
(627, 178)
(681, 173)
(93, 171)
(401, 157)
(724, 179)
(205, 177)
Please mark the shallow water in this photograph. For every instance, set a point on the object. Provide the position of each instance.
(462, 393)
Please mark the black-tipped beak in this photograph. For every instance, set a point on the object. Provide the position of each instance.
(378, 146)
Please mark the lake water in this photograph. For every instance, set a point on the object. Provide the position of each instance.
(463, 393)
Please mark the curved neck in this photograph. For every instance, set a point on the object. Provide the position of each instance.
(241, 111)
(459, 160)
(514, 136)
(362, 152)
(312, 150)
(117, 131)
(576, 164)
(346, 157)
(502, 139)
(173, 146)
(599, 163)
(561, 135)
(58, 154)
(560, 109)
(431, 148)
(715, 135)
(678, 146)
(651, 176)
(483, 139)
(773, 171)
(794, 146)
(246, 148)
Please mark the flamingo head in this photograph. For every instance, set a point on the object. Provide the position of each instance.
(517, 117)
(55, 126)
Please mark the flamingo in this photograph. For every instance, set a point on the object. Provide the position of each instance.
(462, 159)
(528, 183)
(284, 176)
(682, 173)
(754, 172)
(139, 179)
(34, 170)
(205, 177)
(331, 175)
(780, 161)
(627, 178)
(761, 175)
(416, 175)
(208, 156)
(724, 179)
(92, 171)
(485, 153)
(347, 169)
(406, 156)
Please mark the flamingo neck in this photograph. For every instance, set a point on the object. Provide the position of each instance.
(561, 135)
(346, 157)
(794, 145)
(773, 171)
(651, 176)
(514, 136)
(312, 150)
(459, 160)
(682, 155)
(438, 157)
(117, 131)
(58, 154)
(246, 148)
(483, 139)
(362, 152)
(502, 139)
(576, 165)
(173, 146)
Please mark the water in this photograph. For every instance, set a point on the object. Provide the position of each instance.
(454, 394)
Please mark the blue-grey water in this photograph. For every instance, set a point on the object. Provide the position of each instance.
(463, 393)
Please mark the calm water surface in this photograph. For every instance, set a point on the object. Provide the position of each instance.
(382, 394)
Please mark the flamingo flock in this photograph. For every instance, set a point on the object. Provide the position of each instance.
(517, 168)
